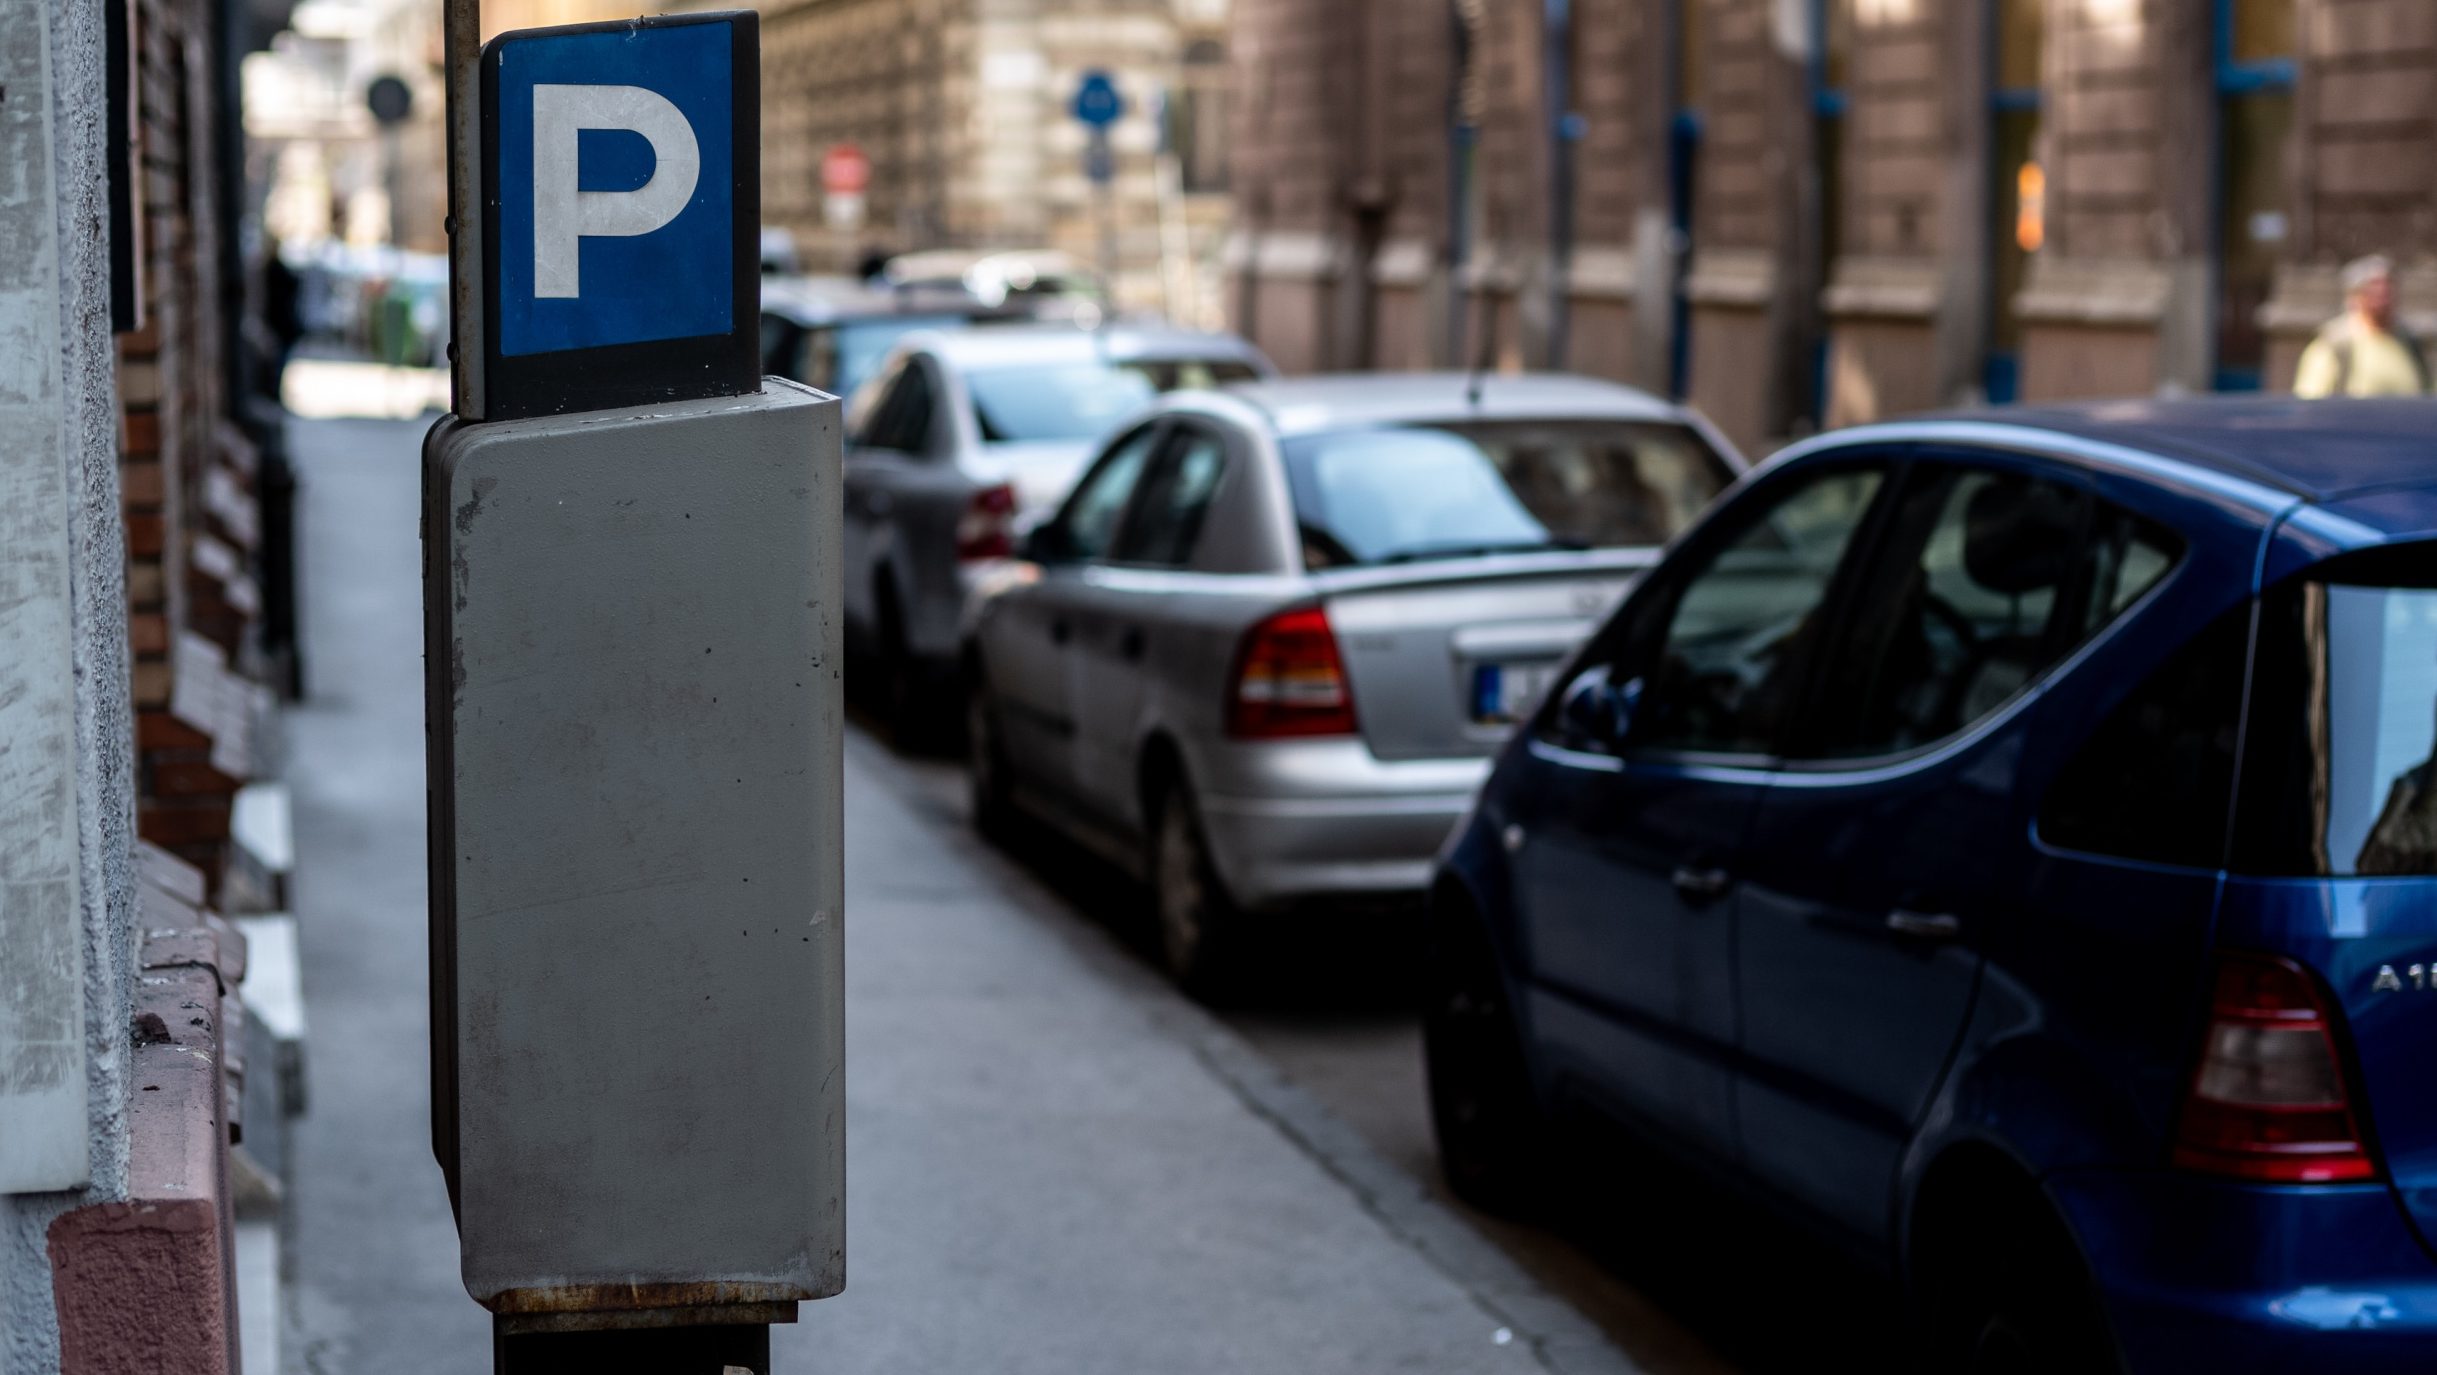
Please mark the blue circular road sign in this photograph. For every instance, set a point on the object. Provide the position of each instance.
(1097, 101)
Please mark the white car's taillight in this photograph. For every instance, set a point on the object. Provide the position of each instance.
(1289, 680)
(986, 530)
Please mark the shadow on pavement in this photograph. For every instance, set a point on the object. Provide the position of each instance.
(1754, 1290)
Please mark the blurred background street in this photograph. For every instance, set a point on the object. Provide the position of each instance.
(1060, 1164)
(1253, 415)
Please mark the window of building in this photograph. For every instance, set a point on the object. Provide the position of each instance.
(2255, 67)
(1197, 119)
(2018, 198)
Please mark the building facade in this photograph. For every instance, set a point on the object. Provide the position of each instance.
(136, 457)
(1807, 212)
(961, 109)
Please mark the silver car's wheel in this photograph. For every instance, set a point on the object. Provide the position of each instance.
(1195, 918)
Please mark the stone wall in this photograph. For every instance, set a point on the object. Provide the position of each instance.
(1815, 291)
(962, 108)
(66, 810)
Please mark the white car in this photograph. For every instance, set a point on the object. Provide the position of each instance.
(954, 445)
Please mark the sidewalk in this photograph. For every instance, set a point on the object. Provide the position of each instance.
(1054, 1164)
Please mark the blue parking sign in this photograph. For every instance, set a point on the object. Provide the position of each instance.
(621, 168)
(1097, 101)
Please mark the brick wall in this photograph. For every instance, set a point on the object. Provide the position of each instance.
(859, 72)
(2362, 175)
(1902, 288)
(2121, 297)
(961, 106)
(2118, 300)
(187, 475)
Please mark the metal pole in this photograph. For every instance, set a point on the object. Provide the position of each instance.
(1104, 161)
(389, 179)
(742, 1349)
(461, 40)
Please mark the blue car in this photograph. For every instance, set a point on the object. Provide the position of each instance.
(2009, 842)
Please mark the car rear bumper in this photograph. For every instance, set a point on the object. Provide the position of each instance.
(2206, 1275)
(1324, 818)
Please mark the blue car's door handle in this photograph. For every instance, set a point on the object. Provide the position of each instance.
(1925, 926)
(1697, 886)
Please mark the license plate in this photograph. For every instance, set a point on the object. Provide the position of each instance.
(1503, 694)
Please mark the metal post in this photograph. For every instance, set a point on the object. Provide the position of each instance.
(1104, 160)
(461, 41)
(735, 1350)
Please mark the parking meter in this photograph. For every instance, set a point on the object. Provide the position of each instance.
(634, 706)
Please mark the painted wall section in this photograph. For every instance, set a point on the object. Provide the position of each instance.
(67, 814)
(42, 1048)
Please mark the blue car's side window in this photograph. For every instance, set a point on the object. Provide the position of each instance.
(1981, 581)
(1710, 661)
(2155, 781)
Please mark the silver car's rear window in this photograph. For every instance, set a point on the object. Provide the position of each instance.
(1402, 493)
(1082, 400)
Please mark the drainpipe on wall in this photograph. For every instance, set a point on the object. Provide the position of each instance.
(1565, 129)
(1462, 134)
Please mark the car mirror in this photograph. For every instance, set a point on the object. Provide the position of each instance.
(1595, 711)
(1043, 543)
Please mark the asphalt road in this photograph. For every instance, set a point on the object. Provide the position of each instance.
(1684, 1278)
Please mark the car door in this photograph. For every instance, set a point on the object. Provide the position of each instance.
(1625, 850)
(1895, 842)
(1031, 646)
(884, 444)
(1115, 612)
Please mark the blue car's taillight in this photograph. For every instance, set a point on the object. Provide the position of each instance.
(2268, 1100)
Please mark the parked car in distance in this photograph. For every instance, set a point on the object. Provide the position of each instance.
(834, 332)
(2009, 843)
(1265, 649)
(961, 437)
(1044, 283)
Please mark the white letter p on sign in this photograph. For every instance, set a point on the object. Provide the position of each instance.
(563, 215)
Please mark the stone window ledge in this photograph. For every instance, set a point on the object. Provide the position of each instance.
(1884, 288)
(1735, 277)
(2091, 291)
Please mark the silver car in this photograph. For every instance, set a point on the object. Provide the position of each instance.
(960, 439)
(1266, 648)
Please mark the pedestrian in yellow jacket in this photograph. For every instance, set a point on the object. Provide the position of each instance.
(2364, 351)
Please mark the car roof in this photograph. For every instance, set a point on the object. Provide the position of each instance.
(2319, 451)
(819, 300)
(997, 346)
(1304, 405)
